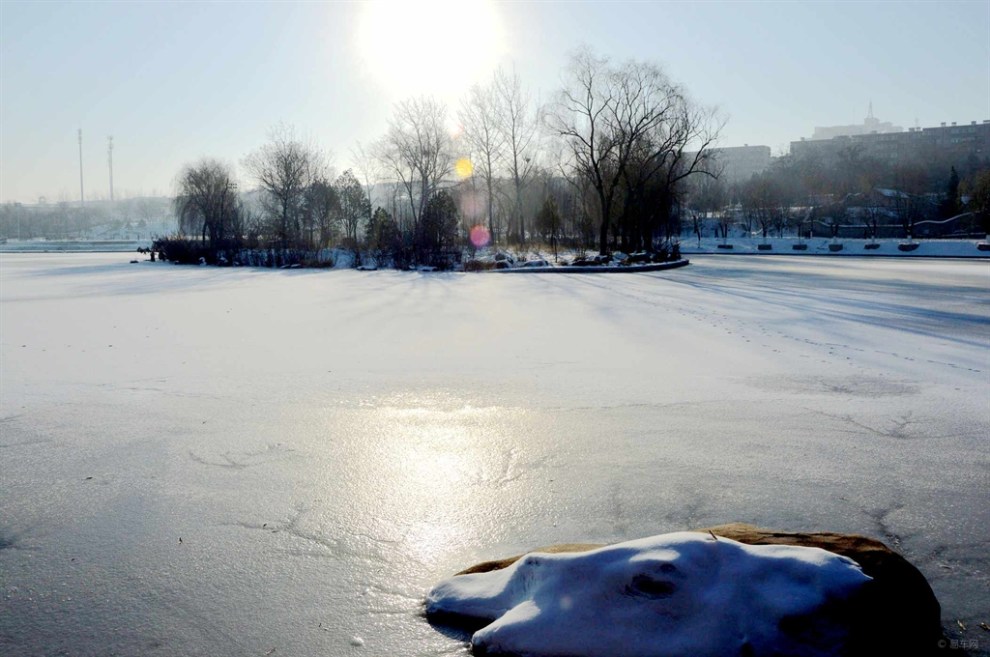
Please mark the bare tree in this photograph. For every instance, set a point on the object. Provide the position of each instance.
(763, 200)
(480, 120)
(627, 126)
(285, 167)
(910, 184)
(206, 201)
(418, 150)
(586, 116)
(369, 168)
(708, 196)
(665, 159)
(518, 127)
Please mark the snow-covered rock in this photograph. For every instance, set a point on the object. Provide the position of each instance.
(684, 593)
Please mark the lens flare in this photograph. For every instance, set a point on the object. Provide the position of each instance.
(480, 236)
(464, 168)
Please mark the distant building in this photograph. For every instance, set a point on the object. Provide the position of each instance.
(957, 143)
(739, 163)
(871, 125)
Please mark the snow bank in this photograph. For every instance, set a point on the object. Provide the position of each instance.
(850, 247)
(595, 269)
(684, 593)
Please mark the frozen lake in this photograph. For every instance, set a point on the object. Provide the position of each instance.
(197, 461)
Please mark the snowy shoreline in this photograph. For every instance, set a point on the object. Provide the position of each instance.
(623, 269)
(887, 248)
(819, 246)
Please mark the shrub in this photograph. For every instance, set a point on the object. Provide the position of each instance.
(182, 250)
(478, 265)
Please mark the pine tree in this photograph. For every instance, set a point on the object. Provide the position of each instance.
(384, 239)
(436, 235)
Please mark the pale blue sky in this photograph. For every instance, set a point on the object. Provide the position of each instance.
(175, 81)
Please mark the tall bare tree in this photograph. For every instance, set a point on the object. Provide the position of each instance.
(518, 125)
(417, 149)
(481, 122)
(284, 169)
(583, 116)
(627, 126)
(368, 168)
(662, 162)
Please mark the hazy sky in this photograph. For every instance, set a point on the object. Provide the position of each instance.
(175, 81)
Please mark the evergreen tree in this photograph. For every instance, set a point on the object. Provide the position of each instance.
(384, 240)
(436, 239)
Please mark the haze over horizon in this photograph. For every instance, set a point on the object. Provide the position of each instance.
(174, 82)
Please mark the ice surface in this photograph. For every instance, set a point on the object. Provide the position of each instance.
(329, 445)
(665, 596)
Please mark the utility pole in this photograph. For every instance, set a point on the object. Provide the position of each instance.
(110, 162)
(82, 197)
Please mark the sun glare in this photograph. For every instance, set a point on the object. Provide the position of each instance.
(436, 47)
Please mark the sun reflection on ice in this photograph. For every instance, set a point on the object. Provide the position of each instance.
(432, 463)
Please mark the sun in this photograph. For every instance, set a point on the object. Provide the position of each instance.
(438, 47)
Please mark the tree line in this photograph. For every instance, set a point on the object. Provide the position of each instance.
(619, 157)
(602, 164)
(67, 220)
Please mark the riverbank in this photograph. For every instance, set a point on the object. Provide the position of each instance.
(820, 246)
